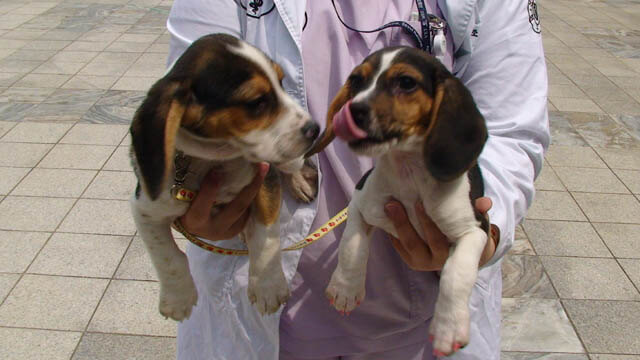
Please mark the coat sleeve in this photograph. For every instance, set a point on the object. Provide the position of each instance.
(507, 76)
(192, 19)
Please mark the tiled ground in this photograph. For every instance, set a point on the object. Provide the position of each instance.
(75, 282)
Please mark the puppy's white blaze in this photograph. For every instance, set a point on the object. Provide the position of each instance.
(385, 63)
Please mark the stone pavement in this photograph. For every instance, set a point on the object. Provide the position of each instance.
(75, 282)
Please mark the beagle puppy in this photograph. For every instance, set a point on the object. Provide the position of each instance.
(405, 109)
(221, 106)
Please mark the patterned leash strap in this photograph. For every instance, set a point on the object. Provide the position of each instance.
(313, 237)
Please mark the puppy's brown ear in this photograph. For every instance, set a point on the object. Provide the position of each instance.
(457, 131)
(153, 132)
(328, 135)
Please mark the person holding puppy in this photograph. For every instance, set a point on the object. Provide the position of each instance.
(495, 49)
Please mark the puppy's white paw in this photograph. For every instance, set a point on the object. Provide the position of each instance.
(267, 291)
(178, 298)
(345, 292)
(449, 330)
(304, 183)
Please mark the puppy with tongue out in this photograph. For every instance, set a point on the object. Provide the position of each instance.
(405, 109)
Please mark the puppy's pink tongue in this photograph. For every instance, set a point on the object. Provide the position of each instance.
(344, 126)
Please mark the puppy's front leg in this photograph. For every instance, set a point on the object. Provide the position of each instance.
(177, 291)
(268, 288)
(347, 286)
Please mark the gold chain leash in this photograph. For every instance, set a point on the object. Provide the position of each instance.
(313, 237)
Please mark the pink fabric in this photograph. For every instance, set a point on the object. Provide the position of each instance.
(399, 301)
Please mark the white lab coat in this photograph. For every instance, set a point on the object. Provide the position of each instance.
(500, 59)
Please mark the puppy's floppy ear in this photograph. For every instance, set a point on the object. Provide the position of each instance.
(153, 132)
(457, 131)
(328, 135)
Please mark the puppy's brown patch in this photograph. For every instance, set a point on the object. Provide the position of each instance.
(267, 201)
(252, 89)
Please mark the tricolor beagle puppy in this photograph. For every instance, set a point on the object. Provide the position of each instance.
(405, 109)
(222, 105)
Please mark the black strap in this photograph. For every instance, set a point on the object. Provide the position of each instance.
(423, 42)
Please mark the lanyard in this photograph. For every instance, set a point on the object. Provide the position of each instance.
(431, 27)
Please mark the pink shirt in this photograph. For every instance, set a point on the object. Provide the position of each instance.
(399, 302)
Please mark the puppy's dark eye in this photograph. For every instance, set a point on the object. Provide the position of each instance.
(406, 83)
(258, 105)
(355, 81)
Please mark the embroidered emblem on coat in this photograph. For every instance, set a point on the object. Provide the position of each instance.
(255, 5)
(532, 8)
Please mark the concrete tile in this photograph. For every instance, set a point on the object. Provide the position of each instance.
(524, 276)
(537, 325)
(622, 239)
(158, 48)
(562, 131)
(614, 357)
(23, 34)
(69, 156)
(589, 278)
(60, 34)
(40, 55)
(607, 326)
(600, 130)
(590, 180)
(117, 185)
(55, 183)
(609, 207)
(5, 126)
(565, 238)
(112, 217)
(140, 69)
(22, 155)
(8, 79)
(26, 213)
(6, 284)
(17, 249)
(510, 355)
(626, 106)
(36, 133)
(578, 105)
(81, 255)
(120, 160)
(578, 156)
(123, 46)
(18, 66)
(124, 347)
(631, 178)
(138, 38)
(620, 158)
(29, 95)
(116, 57)
(632, 269)
(134, 83)
(553, 205)
(43, 80)
(58, 67)
(83, 57)
(98, 36)
(37, 344)
(136, 264)
(87, 45)
(104, 69)
(566, 91)
(96, 134)
(90, 82)
(52, 302)
(46, 44)
(10, 177)
(521, 244)
(131, 307)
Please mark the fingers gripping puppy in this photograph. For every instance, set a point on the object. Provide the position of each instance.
(220, 106)
(404, 108)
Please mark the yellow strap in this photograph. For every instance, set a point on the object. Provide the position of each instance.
(313, 237)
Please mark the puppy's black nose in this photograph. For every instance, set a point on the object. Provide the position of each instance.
(360, 113)
(310, 130)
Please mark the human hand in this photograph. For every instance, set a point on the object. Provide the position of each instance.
(431, 253)
(230, 221)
